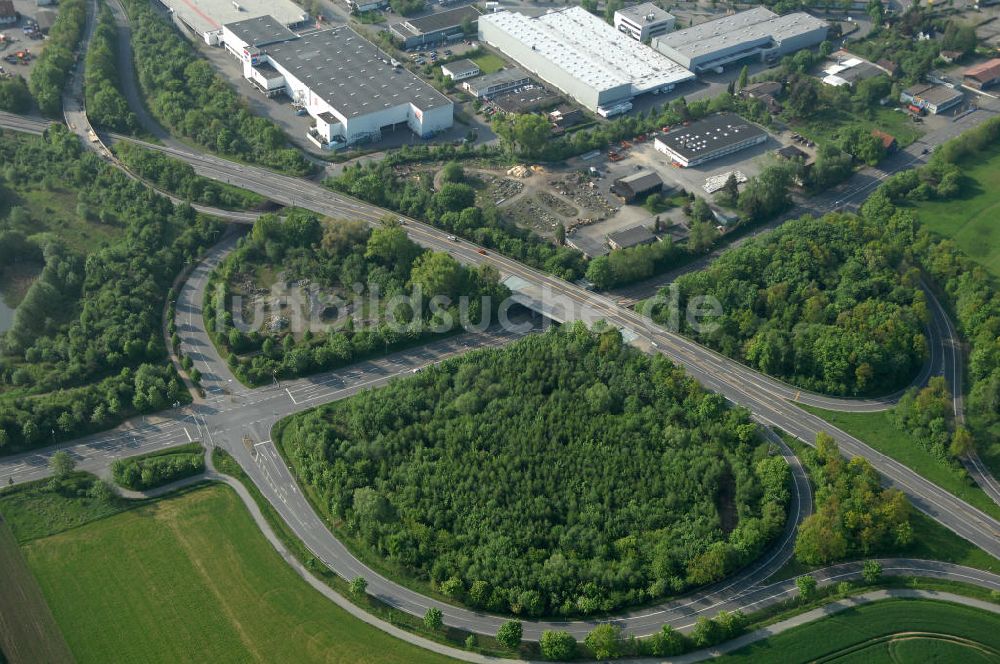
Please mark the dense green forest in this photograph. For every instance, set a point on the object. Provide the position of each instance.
(454, 209)
(829, 304)
(106, 105)
(359, 272)
(191, 100)
(178, 178)
(56, 63)
(565, 474)
(14, 94)
(854, 515)
(85, 349)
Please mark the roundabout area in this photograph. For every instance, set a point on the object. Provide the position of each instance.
(565, 475)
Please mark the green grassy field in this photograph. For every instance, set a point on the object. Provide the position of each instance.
(28, 632)
(489, 63)
(877, 430)
(825, 126)
(875, 633)
(973, 219)
(191, 578)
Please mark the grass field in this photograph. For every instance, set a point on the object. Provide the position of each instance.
(973, 219)
(28, 632)
(826, 126)
(877, 430)
(191, 578)
(875, 633)
(489, 63)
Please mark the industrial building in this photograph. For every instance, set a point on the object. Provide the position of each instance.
(435, 28)
(638, 186)
(713, 137)
(755, 33)
(206, 17)
(933, 99)
(497, 83)
(984, 75)
(582, 56)
(352, 89)
(643, 22)
(631, 237)
(843, 68)
(460, 70)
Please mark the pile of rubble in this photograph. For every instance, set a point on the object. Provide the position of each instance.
(717, 182)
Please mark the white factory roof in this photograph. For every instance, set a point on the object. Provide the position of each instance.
(638, 13)
(751, 25)
(210, 15)
(591, 50)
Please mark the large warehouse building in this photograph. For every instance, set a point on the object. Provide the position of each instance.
(206, 17)
(754, 33)
(713, 137)
(350, 87)
(581, 55)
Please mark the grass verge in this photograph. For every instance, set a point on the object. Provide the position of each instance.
(456, 638)
(877, 430)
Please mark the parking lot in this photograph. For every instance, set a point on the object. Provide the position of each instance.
(17, 41)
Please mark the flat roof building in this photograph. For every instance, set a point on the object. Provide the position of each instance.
(932, 98)
(206, 17)
(637, 186)
(984, 75)
(643, 22)
(631, 237)
(755, 33)
(460, 69)
(497, 83)
(350, 87)
(846, 69)
(581, 55)
(713, 137)
(434, 28)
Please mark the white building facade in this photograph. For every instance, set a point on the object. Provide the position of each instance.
(581, 55)
(643, 22)
(359, 97)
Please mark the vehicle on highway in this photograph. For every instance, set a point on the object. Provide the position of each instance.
(482, 251)
(453, 238)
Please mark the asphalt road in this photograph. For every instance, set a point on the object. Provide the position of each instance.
(768, 399)
(232, 417)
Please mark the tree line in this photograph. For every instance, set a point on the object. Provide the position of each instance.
(565, 474)
(87, 349)
(152, 470)
(178, 177)
(190, 99)
(57, 61)
(106, 105)
(352, 262)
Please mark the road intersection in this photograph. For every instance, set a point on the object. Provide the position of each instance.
(231, 415)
